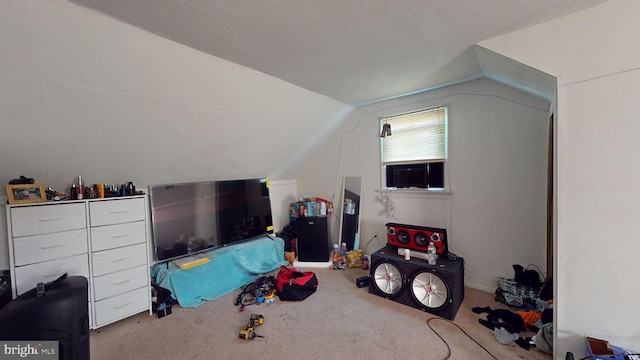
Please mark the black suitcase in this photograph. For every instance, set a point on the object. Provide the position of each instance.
(55, 311)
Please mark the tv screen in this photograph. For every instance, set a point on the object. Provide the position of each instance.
(189, 218)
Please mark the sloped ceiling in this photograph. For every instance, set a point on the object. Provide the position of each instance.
(354, 51)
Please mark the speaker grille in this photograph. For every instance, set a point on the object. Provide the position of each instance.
(388, 279)
(420, 239)
(430, 290)
(403, 237)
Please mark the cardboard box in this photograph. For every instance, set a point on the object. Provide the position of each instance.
(601, 350)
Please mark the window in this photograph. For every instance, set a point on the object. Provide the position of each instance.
(414, 149)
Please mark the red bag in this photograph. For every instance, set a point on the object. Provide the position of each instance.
(293, 285)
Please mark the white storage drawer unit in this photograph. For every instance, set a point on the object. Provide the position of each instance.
(119, 258)
(105, 240)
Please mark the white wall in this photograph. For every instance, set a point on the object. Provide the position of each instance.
(84, 94)
(282, 193)
(496, 213)
(594, 54)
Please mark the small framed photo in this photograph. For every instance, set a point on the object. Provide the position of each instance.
(26, 193)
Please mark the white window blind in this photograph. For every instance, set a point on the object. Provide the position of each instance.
(415, 137)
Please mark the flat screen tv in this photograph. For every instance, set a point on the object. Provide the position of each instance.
(189, 218)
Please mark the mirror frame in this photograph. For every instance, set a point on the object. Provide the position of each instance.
(356, 243)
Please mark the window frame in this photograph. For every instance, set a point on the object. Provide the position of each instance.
(445, 160)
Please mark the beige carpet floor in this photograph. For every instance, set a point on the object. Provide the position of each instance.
(339, 321)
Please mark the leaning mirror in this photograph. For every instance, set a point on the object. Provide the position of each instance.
(350, 220)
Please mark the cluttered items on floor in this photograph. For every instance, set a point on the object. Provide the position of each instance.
(507, 325)
(342, 259)
(525, 291)
(530, 302)
(161, 300)
(261, 290)
(289, 285)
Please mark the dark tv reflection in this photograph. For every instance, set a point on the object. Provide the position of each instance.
(189, 218)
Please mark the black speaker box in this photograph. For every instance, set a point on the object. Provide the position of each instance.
(437, 289)
(59, 311)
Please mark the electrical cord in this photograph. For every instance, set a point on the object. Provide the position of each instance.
(364, 252)
(464, 332)
(248, 294)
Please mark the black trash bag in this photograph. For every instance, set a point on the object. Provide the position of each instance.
(289, 235)
(527, 277)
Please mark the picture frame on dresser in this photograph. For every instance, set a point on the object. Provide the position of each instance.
(25, 193)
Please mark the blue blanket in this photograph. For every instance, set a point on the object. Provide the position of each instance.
(230, 268)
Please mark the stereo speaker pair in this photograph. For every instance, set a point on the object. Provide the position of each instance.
(437, 289)
(417, 237)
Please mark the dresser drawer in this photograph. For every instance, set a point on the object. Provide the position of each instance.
(109, 261)
(123, 305)
(115, 236)
(46, 219)
(109, 212)
(27, 277)
(120, 282)
(38, 248)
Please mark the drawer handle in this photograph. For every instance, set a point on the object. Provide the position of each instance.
(51, 246)
(121, 282)
(121, 259)
(122, 305)
(119, 236)
(51, 219)
(118, 211)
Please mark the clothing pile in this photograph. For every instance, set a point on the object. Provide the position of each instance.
(532, 301)
(507, 325)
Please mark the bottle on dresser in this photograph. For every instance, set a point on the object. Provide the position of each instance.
(80, 188)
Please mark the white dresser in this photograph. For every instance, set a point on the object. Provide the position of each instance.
(105, 240)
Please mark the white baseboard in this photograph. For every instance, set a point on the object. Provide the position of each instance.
(312, 264)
